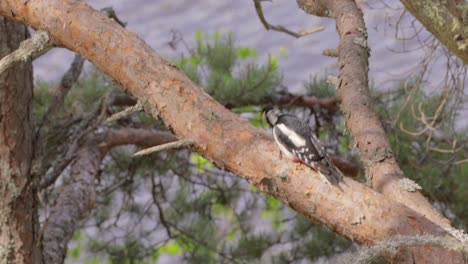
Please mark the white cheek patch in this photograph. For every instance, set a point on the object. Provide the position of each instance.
(296, 139)
(282, 147)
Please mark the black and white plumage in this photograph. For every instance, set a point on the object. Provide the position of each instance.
(296, 140)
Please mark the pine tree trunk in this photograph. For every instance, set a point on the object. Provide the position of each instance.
(18, 216)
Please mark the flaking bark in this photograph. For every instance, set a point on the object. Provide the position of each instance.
(18, 218)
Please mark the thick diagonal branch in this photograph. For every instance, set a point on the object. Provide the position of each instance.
(356, 212)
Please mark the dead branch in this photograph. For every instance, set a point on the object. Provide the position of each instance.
(305, 32)
(329, 103)
(171, 145)
(135, 136)
(41, 135)
(28, 49)
(126, 112)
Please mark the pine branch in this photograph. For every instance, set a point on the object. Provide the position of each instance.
(29, 49)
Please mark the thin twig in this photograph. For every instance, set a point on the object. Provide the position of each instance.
(28, 49)
(126, 112)
(258, 9)
(176, 144)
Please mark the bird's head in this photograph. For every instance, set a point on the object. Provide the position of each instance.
(270, 115)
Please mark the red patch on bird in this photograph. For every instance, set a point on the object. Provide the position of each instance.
(296, 160)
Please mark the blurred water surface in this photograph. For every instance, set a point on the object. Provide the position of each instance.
(154, 21)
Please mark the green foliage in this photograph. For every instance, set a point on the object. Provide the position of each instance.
(319, 87)
(201, 162)
(251, 247)
(131, 251)
(74, 253)
(87, 92)
(42, 99)
(229, 73)
(272, 211)
(316, 241)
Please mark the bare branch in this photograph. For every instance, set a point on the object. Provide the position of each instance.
(126, 112)
(258, 9)
(329, 103)
(28, 49)
(136, 136)
(171, 145)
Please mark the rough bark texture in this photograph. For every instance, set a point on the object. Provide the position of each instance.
(73, 204)
(17, 204)
(382, 170)
(446, 20)
(354, 211)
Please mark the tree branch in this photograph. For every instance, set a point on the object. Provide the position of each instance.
(126, 112)
(259, 10)
(135, 136)
(231, 143)
(446, 20)
(171, 145)
(30, 48)
(329, 103)
(73, 204)
(382, 170)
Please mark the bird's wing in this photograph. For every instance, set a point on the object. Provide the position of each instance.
(305, 145)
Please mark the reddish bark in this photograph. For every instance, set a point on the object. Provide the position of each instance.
(18, 217)
(355, 211)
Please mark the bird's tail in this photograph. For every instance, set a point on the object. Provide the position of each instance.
(328, 170)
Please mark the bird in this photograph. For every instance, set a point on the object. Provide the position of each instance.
(296, 141)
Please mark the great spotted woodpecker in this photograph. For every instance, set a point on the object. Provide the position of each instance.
(296, 140)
